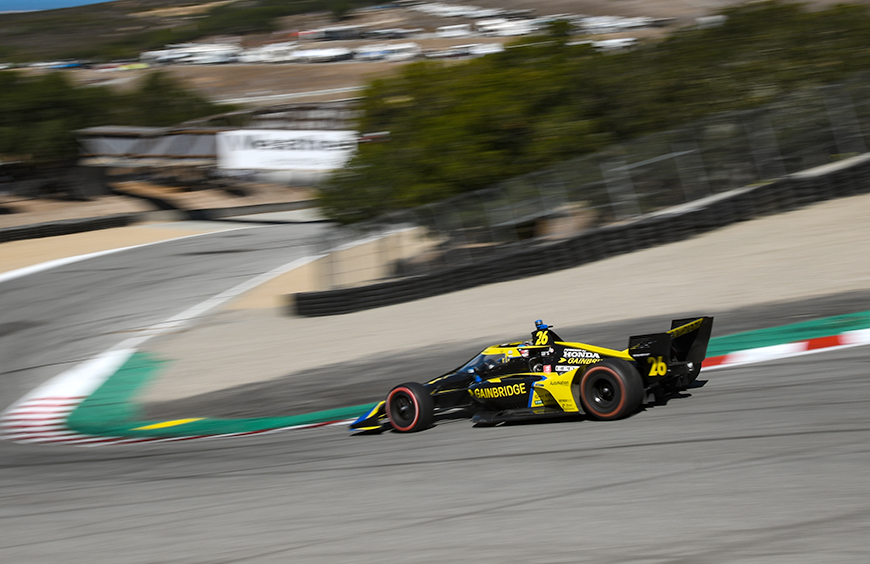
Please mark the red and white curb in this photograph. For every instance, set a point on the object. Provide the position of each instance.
(43, 420)
(40, 417)
(798, 348)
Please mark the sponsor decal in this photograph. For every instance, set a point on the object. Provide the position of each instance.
(580, 353)
(547, 368)
(579, 356)
(499, 391)
(524, 353)
(564, 360)
(308, 150)
(688, 328)
(267, 142)
(565, 368)
(645, 344)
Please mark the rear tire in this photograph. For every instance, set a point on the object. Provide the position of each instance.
(611, 389)
(410, 408)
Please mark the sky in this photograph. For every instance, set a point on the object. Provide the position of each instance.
(17, 5)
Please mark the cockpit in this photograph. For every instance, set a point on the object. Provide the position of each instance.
(483, 363)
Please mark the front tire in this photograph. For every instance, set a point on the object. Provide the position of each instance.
(410, 408)
(611, 389)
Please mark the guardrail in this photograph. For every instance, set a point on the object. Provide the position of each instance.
(845, 178)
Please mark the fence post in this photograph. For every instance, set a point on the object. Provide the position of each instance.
(551, 190)
(418, 232)
(502, 215)
(326, 270)
(623, 199)
(690, 168)
(765, 149)
(844, 121)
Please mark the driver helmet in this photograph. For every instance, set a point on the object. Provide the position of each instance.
(492, 363)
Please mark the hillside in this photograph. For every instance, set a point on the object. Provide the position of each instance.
(83, 31)
(122, 28)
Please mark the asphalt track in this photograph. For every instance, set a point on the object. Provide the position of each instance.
(55, 319)
(341, 384)
(764, 463)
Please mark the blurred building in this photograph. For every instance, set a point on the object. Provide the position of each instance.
(299, 144)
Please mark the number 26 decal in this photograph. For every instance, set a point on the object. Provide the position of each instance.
(542, 338)
(658, 368)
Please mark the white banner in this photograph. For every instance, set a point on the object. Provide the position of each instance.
(260, 149)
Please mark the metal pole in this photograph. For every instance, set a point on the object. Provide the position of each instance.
(765, 149)
(844, 121)
(620, 188)
(690, 168)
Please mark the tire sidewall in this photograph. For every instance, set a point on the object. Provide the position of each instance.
(403, 390)
(592, 376)
(626, 383)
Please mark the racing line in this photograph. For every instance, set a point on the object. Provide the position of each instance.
(92, 404)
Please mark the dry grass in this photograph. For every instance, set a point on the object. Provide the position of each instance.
(180, 11)
(233, 82)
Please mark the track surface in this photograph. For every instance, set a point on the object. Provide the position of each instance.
(764, 463)
(339, 384)
(55, 319)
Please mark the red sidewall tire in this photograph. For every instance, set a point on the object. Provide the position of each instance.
(610, 390)
(410, 408)
(410, 395)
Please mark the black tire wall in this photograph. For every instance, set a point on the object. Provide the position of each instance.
(795, 191)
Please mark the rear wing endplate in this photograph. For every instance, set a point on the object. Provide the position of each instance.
(686, 342)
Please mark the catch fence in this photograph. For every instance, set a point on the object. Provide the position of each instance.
(604, 190)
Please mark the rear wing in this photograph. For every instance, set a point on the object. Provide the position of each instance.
(684, 346)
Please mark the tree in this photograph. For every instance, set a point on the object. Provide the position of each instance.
(456, 127)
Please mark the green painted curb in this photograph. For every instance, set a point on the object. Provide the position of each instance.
(794, 332)
(111, 411)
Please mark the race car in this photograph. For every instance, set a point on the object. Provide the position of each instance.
(547, 376)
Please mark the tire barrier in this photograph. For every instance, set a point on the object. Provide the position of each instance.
(70, 226)
(213, 214)
(65, 227)
(838, 180)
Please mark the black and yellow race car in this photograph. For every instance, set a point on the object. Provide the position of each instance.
(547, 376)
